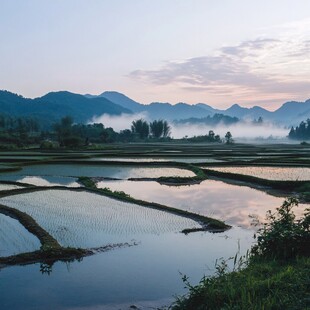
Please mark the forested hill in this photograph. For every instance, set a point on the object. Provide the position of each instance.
(82, 108)
(53, 106)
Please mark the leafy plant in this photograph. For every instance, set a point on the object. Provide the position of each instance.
(282, 236)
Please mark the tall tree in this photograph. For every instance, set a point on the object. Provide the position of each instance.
(166, 129)
(141, 128)
(228, 137)
(157, 128)
(63, 129)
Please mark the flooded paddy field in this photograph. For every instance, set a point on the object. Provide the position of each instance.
(231, 203)
(146, 274)
(270, 173)
(14, 238)
(107, 171)
(86, 220)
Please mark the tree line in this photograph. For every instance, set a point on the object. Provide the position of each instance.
(301, 132)
(25, 131)
(70, 134)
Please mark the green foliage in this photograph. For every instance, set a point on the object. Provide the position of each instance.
(210, 138)
(269, 280)
(210, 120)
(159, 129)
(265, 285)
(228, 138)
(301, 132)
(141, 128)
(283, 236)
(87, 182)
(47, 145)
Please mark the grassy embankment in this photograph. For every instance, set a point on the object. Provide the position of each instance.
(275, 275)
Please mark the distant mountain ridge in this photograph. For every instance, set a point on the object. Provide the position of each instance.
(290, 113)
(54, 105)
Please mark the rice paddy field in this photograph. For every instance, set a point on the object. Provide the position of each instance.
(14, 238)
(138, 223)
(270, 173)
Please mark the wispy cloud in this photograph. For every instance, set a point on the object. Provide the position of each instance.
(260, 69)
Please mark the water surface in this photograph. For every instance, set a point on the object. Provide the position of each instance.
(270, 173)
(145, 274)
(14, 238)
(217, 199)
(82, 219)
(109, 171)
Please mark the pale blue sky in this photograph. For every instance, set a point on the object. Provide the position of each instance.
(218, 52)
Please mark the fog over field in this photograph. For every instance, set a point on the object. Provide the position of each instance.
(241, 130)
(119, 122)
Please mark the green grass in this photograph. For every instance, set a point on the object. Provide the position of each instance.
(274, 275)
(264, 284)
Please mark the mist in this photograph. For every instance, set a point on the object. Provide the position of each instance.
(244, 130)
(119, 122)
(239, 131)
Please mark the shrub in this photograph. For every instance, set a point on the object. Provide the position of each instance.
(283, 236)
(48, 145)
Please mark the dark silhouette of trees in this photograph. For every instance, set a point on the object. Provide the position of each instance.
(157, 128)
(63, 129)
(228, 138)
(301, 132)
(141, 128)
(166, 130)
(258, 121)
(211, 137)
(160, 128)
(210, 120)
(20, 131)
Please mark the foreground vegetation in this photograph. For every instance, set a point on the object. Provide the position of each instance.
(275, 274)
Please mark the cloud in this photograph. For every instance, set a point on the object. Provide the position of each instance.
(252, 69)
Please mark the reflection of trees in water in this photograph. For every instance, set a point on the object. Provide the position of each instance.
(46, 268)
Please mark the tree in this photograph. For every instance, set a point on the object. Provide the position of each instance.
(141, 128)
(292, 133)
(63, 129)
(211, 134)
(166, 130)
(157, 128)
(228, 138)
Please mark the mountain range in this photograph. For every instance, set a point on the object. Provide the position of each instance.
(54, 105)
(290, 113)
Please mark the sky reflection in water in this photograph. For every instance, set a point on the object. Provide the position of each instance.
(223, 201)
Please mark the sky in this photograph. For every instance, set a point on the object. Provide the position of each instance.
(216, 52)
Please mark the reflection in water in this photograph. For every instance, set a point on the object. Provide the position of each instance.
(110, 171)
(134, 275)
(145, 274)
(48, 181)
(46, 268)
(270, 173)
(6, 187)
(14, 238)
(193, 160)
(82, 219)
(230, 203)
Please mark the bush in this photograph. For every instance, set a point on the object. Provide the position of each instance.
(48, 145)
(269, 280)
(283, 236)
